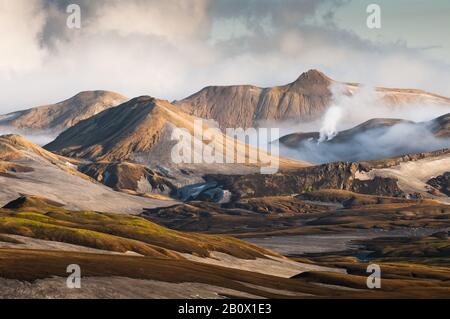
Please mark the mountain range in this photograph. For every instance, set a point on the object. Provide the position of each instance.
(305, 99)
(140, 130)
(106, 195)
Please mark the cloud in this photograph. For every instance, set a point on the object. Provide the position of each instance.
(40, 138)
(373, 142)
(172, 20)
(173, 48)
(279, 13)
(370, 145)
(364, 104)
(152, 55)
(20, 22)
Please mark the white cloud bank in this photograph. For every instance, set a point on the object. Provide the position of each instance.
(172, 48)
(413, 135)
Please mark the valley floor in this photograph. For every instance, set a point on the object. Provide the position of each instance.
(129, 257)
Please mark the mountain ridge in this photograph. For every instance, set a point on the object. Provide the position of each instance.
(304, 99)
(140, 131)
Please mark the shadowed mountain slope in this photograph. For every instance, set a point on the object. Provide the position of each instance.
(128, 177)
(404, 176)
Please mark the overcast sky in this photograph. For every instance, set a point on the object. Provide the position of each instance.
(172, 48)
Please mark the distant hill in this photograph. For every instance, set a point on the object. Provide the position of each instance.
(305, 99)
(372, 140)
(441, 126)
(294, 139)
(64, 114)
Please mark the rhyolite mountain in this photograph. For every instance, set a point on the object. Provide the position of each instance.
(305, 99)
(116, 134)
(64, 114)
(140, 131)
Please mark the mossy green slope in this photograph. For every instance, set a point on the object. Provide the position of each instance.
(39, 218)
